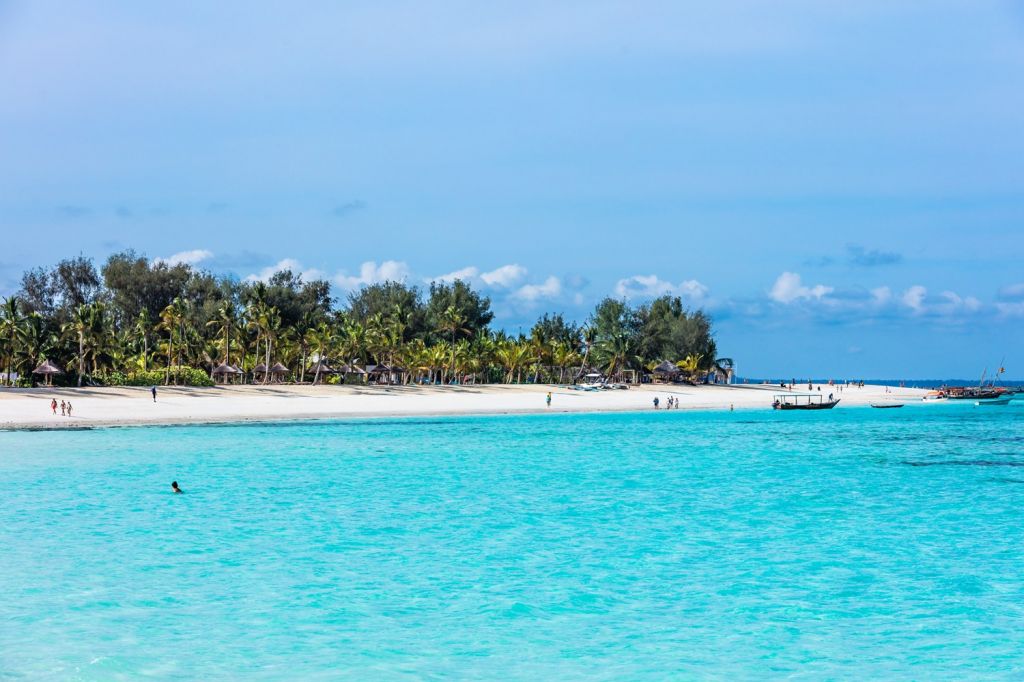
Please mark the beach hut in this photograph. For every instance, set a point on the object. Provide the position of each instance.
(278, 372)
(48, 369)
(665, 372)
(354, 374)
(224, 373)
(320, 369)
(384, 374)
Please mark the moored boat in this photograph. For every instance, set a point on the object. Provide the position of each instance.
(998, 400)
(803, 401)
(886, 406)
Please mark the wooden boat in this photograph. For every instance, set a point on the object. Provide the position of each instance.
(886, 406)
(999, 400)
(803, 401)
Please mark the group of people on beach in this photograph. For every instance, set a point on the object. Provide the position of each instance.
(672, 402)
(65, 407)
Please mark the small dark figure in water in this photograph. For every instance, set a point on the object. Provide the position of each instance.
(174, 487)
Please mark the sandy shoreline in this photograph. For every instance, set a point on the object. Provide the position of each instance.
(97, 407)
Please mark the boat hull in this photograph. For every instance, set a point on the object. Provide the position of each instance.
(1004, 400)
(812, 406)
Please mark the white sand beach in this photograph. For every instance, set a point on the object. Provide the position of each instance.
(30, 408)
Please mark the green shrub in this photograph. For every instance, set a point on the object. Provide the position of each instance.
(182, 376)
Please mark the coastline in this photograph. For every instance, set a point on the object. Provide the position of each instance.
(28, 409)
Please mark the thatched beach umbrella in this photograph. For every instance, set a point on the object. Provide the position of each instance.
(666, 371)
(224, 371)
(319, 369)
(278, 371)
(48, 369)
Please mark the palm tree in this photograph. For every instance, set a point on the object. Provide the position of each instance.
(354, 342)
(512, 355)
(35, 340)
(563, 355)
(10, 322)
(453, 322)
(271, 329)
(142, 326)
(618, 352)
(307, 322)
(589, 334)
(172, 319)
(320, 340)
(690, 364)
(225, 321)
(79, 325)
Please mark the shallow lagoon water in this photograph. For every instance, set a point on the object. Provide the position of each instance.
(853, 543)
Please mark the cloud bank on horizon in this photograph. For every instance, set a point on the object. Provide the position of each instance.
(819, 178)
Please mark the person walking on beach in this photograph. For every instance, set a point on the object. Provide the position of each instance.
(548, 399)
(154, 394)
(656, 401)
(69, 408)
(62, 408)
(53, 406)
(175, 488)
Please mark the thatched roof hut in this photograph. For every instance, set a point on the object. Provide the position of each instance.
(225, 372)
(666, 371)
(384, 374)
(320, 370)
(48, 369)
(321, 367)
(259, 369)
(279, 369)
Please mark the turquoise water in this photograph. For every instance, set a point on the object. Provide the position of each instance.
(857, 543)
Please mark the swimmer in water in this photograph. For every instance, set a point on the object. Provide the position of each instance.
(175, 488)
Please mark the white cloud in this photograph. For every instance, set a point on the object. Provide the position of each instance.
(1012, 292)
(651, 286)
(913, 297)
(1011, 309)
(285, 264)
(505, 276)
(789, 288)
(192, 257)
(953, 302)
(881, 295)
(550, 288)
(371, 273)
(465, 274)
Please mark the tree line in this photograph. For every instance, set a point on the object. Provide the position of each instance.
(139, 321)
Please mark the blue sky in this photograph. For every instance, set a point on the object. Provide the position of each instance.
(840, 184)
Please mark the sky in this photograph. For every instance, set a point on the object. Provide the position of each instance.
(839, 185)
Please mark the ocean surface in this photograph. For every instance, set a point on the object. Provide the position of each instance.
(856, 544)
